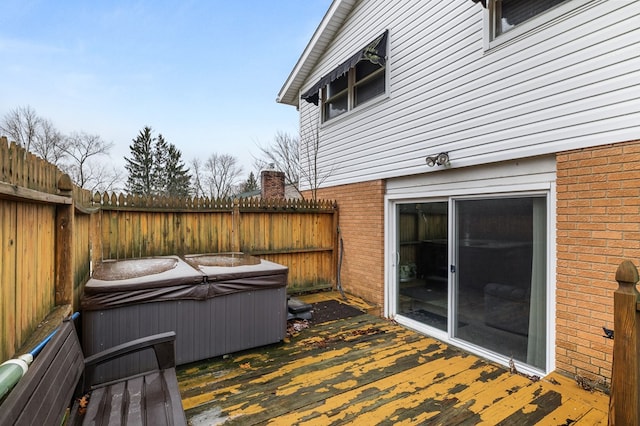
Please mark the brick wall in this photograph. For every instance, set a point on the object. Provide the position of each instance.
(598, 226)
(361, 208)
(272, 185)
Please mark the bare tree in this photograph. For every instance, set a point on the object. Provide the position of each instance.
(85, 171)
(312, 174)
(197, 177)
(21, 125)
(77, 154)
(103, 177)
(49, 143)
(283, 155)
(219, 175)
(34, 133)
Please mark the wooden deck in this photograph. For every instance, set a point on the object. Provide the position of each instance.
(366, 370)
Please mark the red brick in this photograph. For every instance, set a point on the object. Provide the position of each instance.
(362, 272)
(575, 156)
(598, 226)
(605, 171)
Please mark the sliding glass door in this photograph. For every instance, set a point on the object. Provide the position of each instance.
(423, 290)
(476, 268)
(500, 280)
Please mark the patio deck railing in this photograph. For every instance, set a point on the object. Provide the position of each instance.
(624, 405)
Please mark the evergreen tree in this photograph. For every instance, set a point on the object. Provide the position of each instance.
(140, 165)
(156, 167)
(251, 184)
(161, 177)
(180, 182)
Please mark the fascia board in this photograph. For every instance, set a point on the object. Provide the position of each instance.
(323, 35)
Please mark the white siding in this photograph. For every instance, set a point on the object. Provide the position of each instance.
(573, 83)
(521, 175)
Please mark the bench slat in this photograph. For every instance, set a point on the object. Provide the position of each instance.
(156, 393)
(135, 390)
(25, 404)
(63, 382)
(173, 394)
(92, 409)
(114, 404)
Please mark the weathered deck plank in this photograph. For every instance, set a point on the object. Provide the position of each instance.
(404, 390)
(366, 370)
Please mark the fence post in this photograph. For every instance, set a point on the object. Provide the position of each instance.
(624, 407)
(64, 245)
(235, 226)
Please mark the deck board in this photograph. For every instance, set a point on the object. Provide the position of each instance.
(367, 370)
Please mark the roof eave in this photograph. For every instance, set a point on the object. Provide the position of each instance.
(290, 92)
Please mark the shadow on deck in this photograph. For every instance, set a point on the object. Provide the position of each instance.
(366, 370)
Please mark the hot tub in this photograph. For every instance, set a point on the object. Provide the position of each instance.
(216, 303)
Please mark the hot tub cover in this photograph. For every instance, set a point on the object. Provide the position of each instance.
(144, 273)
(211, 266)
(185, 281)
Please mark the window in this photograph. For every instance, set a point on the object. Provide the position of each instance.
(354, 82)
(369, 82)
(336, 97)
(507, 14)
(360, 84)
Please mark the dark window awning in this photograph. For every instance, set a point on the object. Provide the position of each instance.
(375, 52)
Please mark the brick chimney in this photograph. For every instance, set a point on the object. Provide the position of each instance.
(272, 184)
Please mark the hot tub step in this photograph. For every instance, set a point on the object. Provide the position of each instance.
(298, 309)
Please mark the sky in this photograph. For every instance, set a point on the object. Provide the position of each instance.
(204, 74)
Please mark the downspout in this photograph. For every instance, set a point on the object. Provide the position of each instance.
(338, 281)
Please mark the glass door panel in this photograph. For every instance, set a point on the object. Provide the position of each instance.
(422, 230)
(500, 279)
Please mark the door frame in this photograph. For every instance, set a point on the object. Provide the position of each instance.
(423, 195)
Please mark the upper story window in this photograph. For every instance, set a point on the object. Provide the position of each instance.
(335, 97)
(353, 83)
(360, 84)
(507, 14)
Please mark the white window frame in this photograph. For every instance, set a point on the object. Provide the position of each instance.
(531, 26)
(352, 83)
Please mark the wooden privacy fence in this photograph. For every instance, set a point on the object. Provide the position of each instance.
(39, 268)
(624, 406)
(51, 233)
(295, 233)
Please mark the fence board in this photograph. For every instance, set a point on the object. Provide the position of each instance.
(20, 167)
(37, 266)
(46, 266)
(8, 276)
(85, 231)
(26, 270)
(22, 254)
(130, 233)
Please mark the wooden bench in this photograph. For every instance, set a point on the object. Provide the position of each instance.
(60, 374)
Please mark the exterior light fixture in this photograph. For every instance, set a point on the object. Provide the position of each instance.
(441, 159)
